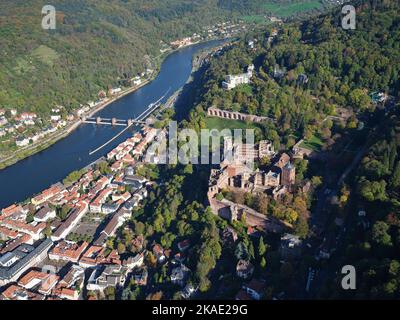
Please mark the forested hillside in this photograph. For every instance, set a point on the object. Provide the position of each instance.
(372, 241)
(342, 69)
(96, 42)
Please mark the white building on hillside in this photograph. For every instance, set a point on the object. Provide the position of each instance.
(232, 81)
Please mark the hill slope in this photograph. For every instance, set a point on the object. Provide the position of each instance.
(95, 42)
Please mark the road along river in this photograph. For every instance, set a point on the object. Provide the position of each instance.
(37, 172)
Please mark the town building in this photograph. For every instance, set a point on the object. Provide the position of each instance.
(244, 269)
(134, 262)
(290, 246)
(16, 262)
(15, 292)
(139, 276)
(232, 81)
(179, 275)
(45, 214)
(113, 275)
(67, 251)
(71, 285)
(96, 255)
(66, 227)
(21, 142)
(255, 288)
(47, 194)
(39, 281)
(159, 253)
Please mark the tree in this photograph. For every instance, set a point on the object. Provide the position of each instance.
(390, 288)
(238, 197)
(286, 271)
(188, 170)
(360, 100)
(29, 217)
(219, 196)
(249, 199)
(316, 181)
(208, 253)
(62, 213)
(152, 260)
(262, 204)
(394, 268)
(263, 263)
(155, 296)
(167, 239)
(47, 231)
(73, 176)
(109, 293)
(301, 227)
(265, 161)
(395, 179)
(291, 215)
(345, 193)
(262, 249)
(243, 218)
(241, 251)
(372, 191)
(103, 167)
(121, 248)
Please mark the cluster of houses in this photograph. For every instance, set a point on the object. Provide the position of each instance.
(14, 125)
(252, 285)
(225, 29)
(37, 261)
(219, 30)
(180, 43)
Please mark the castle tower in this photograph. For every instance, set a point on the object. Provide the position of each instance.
(265, 149)
(244, 179)
(288, 174)
(258, 178)
(228, 149)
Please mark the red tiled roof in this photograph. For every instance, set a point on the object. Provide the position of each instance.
(68, 250)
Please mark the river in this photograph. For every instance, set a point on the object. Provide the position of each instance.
(37, 172)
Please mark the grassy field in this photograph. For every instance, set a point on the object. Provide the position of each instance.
(221, 124)
(289, 9)
(282, 10)
(314, 143)
(45, 54)
(245, 88)
(256, 19)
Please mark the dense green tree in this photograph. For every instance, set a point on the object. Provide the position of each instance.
(380, 233)
(262, 249)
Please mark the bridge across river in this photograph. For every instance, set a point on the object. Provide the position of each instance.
(139, 120)
(112, 121)
(71, 153)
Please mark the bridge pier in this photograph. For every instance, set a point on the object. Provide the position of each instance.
(113, 121)
(98, 120)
